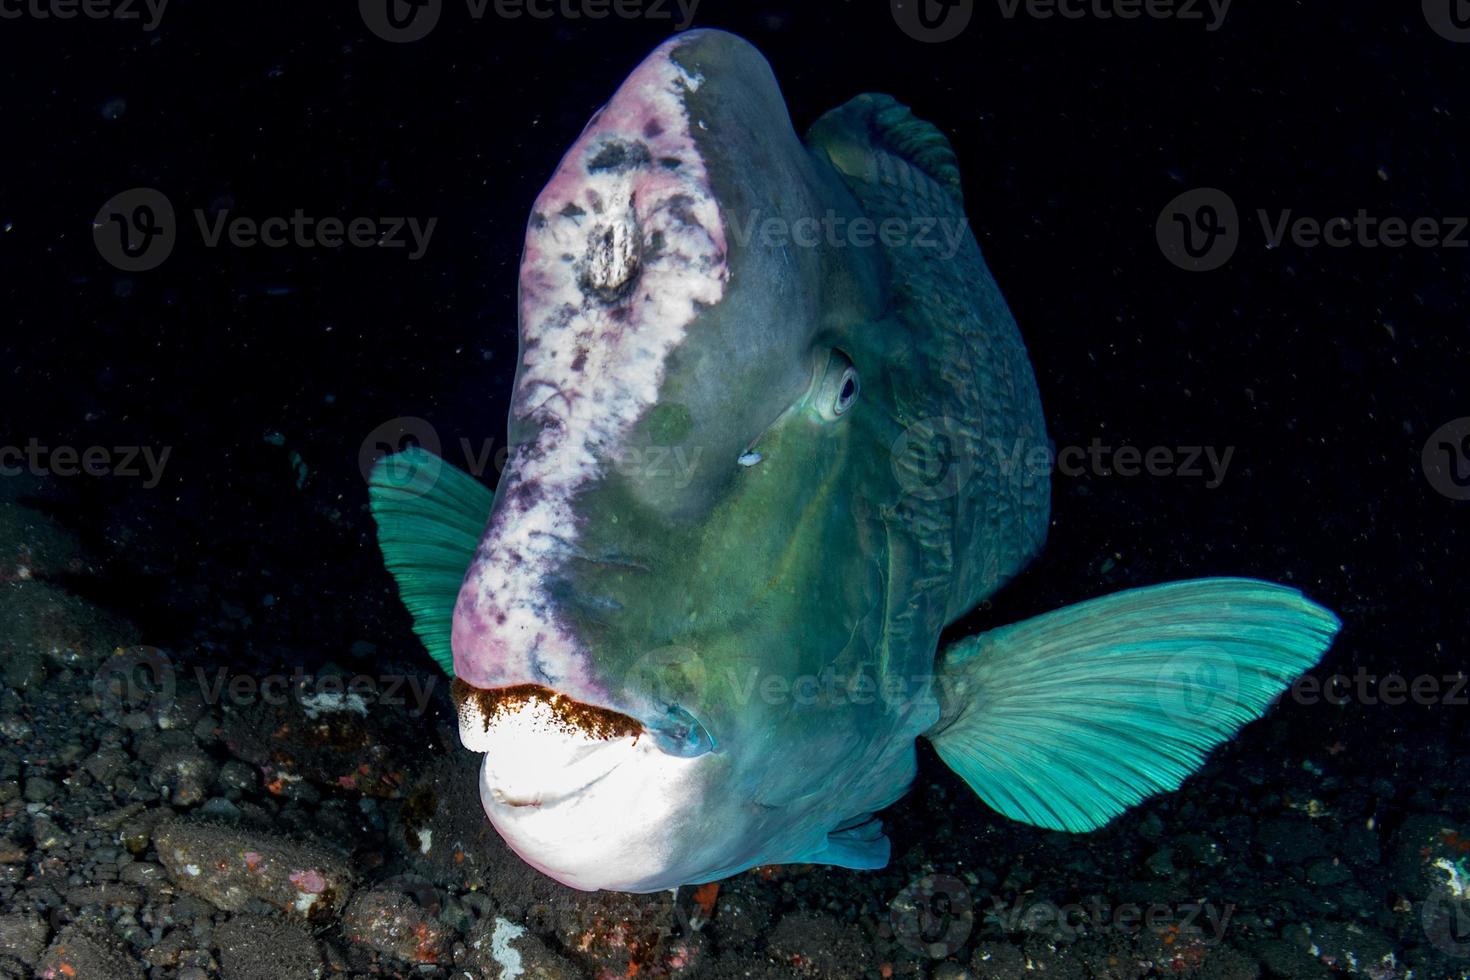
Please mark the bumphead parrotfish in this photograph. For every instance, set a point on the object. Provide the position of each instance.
(695, 628)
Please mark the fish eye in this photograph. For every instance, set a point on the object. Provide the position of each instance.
(838, 388)
(847, 391)
(680, 733)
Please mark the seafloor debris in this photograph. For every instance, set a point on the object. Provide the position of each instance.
(265, 947)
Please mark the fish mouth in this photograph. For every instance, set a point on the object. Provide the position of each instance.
(541, 747)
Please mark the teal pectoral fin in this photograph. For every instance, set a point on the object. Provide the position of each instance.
(430, 517)
(1066, 720)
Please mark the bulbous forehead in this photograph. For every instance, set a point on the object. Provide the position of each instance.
(624, 247)
(655, 308)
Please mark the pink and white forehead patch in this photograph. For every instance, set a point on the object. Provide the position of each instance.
(624, 247)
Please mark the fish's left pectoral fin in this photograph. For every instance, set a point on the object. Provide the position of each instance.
(430, 517)
(1066, 720)
(861, 848)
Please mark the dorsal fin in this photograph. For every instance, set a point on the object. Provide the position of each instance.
(887, 125)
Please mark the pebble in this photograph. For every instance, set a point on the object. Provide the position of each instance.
(144, 873)
(40, 790)
(227, 867)
(106, 764)
(390, 923)
(185, 774)
(236, 778)
(1161, 862)
(23, 937)
(88, 950)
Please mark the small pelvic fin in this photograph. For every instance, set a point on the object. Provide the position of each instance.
(430, 517)
(864, 848)
(1066, 720)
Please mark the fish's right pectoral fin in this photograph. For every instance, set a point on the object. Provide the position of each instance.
(1066, 720)
(430, 516)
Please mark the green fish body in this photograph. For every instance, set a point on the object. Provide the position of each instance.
(753, 477)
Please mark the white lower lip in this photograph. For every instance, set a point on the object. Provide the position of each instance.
(533, 758)
(506, 794)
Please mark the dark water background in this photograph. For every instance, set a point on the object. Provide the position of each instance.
(1325, 369)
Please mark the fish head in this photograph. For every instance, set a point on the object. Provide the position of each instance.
(694, 499)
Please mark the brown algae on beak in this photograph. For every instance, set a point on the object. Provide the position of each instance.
(572, 717)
